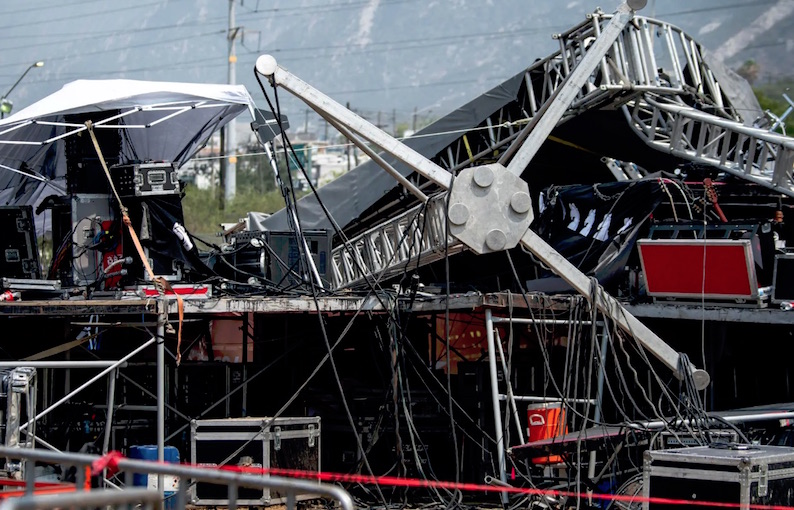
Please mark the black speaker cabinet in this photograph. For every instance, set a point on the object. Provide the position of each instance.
(20, 255)
(783, 278)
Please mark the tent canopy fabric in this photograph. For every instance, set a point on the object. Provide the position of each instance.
(160, 121)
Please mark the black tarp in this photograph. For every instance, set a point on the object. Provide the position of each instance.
(159, 221)
(595, 226)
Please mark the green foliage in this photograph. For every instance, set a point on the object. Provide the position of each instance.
(750, 71)
(770, 95)
(204, 209)
(776, 105)
(203, 213)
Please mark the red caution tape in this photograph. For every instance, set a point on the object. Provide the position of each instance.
(109, 461)
(112, 458)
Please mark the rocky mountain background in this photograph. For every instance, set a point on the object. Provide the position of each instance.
(390, 59)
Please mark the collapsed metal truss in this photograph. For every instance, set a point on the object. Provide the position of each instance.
(752, 154)
(648, 72)
(415, 236)
(648, 56)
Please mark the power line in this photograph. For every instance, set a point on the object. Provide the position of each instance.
(320, 9)
(399, 45)
(83, 15)
(752, 3)
(54, 5)
(423, 42)
(94, 36)
(122, 48)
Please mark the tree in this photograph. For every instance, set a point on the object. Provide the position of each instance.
(750, 71)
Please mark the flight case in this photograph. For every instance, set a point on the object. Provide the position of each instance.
(287, 443)
(720, 473)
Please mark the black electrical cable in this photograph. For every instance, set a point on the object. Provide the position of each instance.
(339, 232)
(321, 321)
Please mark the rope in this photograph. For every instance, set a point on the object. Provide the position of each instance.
(160, 283)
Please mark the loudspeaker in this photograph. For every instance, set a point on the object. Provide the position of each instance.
(783, 279)
(20, 255)
(84, 173)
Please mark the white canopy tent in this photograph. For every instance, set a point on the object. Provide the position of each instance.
(160, 121)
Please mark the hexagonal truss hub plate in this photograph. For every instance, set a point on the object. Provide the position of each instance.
(489, 208)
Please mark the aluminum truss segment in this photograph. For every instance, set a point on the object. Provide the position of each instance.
(372, 248)
(749, 153)
(413, 238)
(647, 56)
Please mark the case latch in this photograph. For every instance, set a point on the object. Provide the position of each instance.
(311, 434)
(277, 438)
(763, 480)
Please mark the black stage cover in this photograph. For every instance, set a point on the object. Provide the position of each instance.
(595, 226)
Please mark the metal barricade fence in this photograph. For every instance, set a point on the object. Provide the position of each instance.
(131, 498)
(231, 479)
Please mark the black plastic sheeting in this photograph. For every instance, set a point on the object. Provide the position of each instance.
(595, 226)
(154, 219)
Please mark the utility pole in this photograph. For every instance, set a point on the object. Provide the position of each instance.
(413, 124)
(347, 145)
(394, 122)
(230, 177)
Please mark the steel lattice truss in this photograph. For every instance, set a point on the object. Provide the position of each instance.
(652, 71)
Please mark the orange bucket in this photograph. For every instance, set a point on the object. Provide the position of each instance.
(545, 421)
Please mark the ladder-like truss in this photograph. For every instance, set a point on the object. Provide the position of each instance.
(750, 153)
(413, 238)
(649, 56)
(649, 62)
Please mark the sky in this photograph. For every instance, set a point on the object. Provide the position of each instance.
(388, 58)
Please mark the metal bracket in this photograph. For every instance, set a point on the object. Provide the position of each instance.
(276, 438)
(763, 480)
(489, 208)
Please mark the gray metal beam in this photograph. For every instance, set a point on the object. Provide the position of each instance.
(325, 106)
(558, 104)
(278, 76)
(610, 306)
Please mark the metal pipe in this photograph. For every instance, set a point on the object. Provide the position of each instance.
(163, 317)
(408, 185)
(561, 322)
(149, 408)
(610, 307)
(510, 398)
(184, 473)
(82, 499)
(109, 413)
(266, 65)
(730, 419)
(88, 383)
(557, 105)
(497, 415)
(531, 398)
(599, 399)
(601, 375)
(45, 444)
(61, 364)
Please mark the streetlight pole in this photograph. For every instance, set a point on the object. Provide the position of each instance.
(5, 104)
